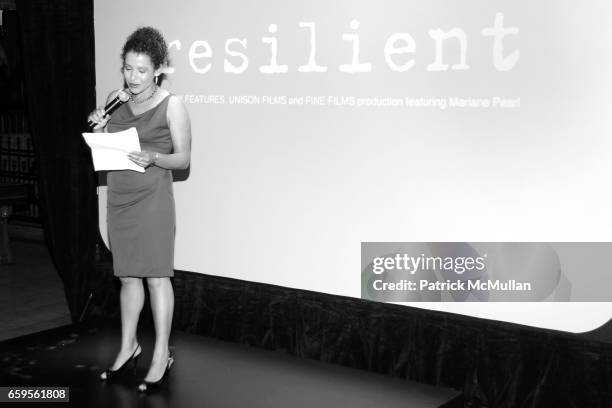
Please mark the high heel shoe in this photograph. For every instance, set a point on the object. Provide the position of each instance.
(109, 375)
(149, 386)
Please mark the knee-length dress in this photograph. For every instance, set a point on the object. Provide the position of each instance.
(141, 218)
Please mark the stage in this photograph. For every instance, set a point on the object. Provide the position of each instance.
(207, 373)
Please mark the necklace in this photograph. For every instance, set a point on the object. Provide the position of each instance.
(145, 99)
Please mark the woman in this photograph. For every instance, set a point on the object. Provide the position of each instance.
(141, 217)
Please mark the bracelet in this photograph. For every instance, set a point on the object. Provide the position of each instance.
(156, 158)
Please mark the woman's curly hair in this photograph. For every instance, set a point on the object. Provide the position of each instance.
(149, 41)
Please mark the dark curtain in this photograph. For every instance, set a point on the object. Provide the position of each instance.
(58, 51)
(495, 364)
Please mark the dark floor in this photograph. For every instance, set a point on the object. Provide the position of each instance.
(31, 292)
(206, 373)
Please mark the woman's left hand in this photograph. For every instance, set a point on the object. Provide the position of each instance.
(143, 158)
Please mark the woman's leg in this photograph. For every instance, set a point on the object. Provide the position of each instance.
(131, 299)
(162, 306)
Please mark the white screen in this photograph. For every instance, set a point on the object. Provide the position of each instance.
(284, 193)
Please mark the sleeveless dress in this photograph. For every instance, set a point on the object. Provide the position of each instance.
(141, 218)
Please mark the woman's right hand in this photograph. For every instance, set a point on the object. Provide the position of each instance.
(97, 116)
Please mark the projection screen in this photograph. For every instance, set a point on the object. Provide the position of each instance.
(318, 126)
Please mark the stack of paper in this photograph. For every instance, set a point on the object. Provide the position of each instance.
(110, 150)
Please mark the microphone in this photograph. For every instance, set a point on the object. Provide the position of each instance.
(121, 98)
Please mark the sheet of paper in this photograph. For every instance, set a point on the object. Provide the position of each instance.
(110, 150)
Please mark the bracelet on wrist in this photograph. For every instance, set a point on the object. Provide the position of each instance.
(156, 158)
